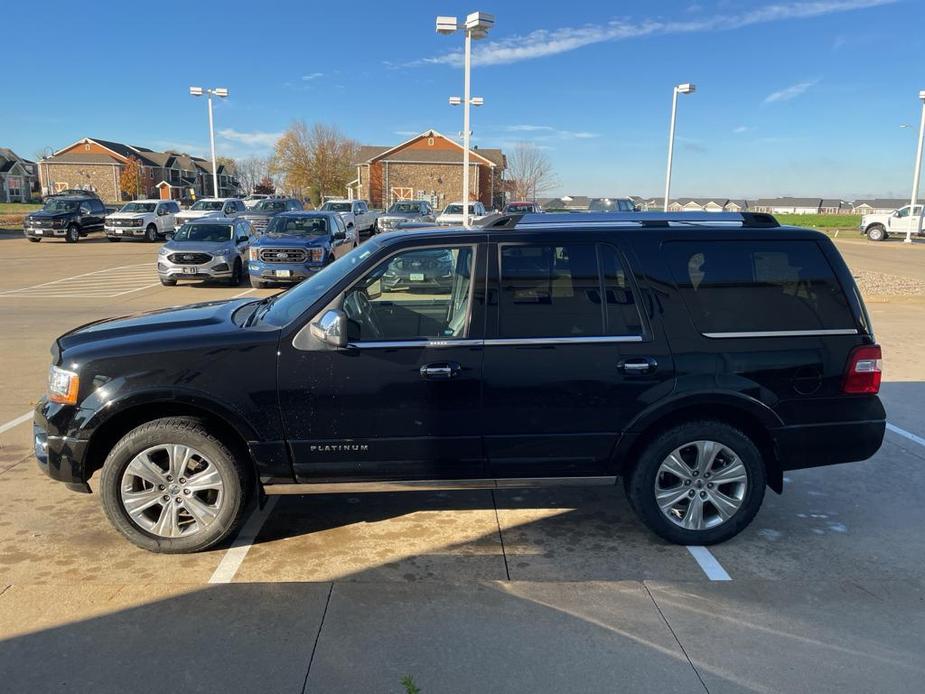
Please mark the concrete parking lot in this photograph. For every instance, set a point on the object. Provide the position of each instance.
(507, 591)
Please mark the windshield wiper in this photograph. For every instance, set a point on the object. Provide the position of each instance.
(262, 307)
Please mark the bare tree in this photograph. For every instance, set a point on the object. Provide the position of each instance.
(316, 159)
(529, 172)
(251, 171)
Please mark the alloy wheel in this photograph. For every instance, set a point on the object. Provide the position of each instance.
(171, 490)
(700, 485)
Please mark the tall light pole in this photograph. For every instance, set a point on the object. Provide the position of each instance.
(685, 88)
(476, 26)
(220, 92)
(917, 219)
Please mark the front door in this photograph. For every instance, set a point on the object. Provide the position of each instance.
(569, 358)
(402, 401)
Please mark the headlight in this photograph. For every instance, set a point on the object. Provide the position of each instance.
(252, 253)
(137, 222)
(163, 251)
(62, 386)
(315, 255)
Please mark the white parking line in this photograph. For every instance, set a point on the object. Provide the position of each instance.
(234, 556)
(907, 434)
(244, 293)
(16, 422)
(114, 281)
(710, 565)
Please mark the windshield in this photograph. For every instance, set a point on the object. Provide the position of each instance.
(526, 207)
(60, 206)
(209, 233)
(458, 209)
(336, 206)
(291, 304)
(298, 226)
(405, 208)
(271, 205)
(139, 207)
(207, 205)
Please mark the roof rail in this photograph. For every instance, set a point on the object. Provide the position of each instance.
(645, 219)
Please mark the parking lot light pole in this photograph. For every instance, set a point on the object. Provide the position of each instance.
(476, 27)
(916, 176)
(222, 93)
(685, 88)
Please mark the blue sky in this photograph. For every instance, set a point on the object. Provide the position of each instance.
(793, 97)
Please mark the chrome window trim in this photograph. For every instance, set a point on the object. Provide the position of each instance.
(436, 343)
(782, 333)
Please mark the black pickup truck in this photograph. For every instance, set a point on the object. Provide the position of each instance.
(72, 217)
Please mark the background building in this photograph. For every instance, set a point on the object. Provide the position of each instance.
(17, 177)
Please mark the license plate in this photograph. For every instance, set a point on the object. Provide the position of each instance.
(416, 277)
(284, 273)
(38, 232)
(189, 271)
(118, 231)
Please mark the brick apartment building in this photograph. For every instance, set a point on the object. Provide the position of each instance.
(97, 165)
(429, 167)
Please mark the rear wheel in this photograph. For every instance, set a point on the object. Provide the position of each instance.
(72, 235)
(34, 239)
(236, 274)
(172, 486)
(698, 483)
(257, 284)
(876, 232)
(151, 233)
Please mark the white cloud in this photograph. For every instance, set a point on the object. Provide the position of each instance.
(546, 42)
(528, 128)
(407, 133)
(312, 76)
(741, 129)
(256, 139)
(791, 92)
(547, 132)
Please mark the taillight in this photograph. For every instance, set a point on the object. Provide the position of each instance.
(862, 375)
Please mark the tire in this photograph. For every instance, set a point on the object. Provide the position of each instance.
(113, 239)
(236, 274)
(164, 521)
(33, 239)
(734, 455)
(876, 232)
(168, 283)
(258, 284)
(151, 234)
(72, 235)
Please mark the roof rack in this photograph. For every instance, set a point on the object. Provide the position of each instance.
(634, 219)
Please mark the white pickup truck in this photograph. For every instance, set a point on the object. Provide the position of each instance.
(354, 212)
(878, 227)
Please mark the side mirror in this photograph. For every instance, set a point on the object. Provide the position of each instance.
(243, 239)
(340, 235)
(331, 328)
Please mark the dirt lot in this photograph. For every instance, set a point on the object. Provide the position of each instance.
(552, 590)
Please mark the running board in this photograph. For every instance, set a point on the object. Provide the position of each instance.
(436, 485)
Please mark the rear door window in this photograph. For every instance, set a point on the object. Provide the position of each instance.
(758, 286)
(565, 290)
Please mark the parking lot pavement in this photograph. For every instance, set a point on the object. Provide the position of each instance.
(515, 590)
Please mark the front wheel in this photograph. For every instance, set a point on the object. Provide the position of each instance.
(168, 283)
(172, 486)
(876, 233)
(151, 233)
(258, 284)
(33, 239)
(72, 235)
(236, 274)
(698, 483)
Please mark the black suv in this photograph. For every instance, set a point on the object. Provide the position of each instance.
(72, 217)
(695, 356)
(259, 215)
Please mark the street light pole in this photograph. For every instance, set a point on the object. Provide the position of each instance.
(476, 26)
(686, 88)
(916, 176)
(220, 92)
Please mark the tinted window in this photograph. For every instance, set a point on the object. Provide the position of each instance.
(550, 291)
(751, 286)
(621, 313)
(96, 206)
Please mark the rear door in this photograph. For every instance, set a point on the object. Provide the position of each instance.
(570, 359)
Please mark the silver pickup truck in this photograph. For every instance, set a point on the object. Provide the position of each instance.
(355, 212)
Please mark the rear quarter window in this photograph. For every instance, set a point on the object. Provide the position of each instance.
(758, 286)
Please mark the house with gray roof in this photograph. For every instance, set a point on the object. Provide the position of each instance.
(17, 177)
(878, 205)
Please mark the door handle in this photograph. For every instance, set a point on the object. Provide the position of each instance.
(440, 372)
(638, 365)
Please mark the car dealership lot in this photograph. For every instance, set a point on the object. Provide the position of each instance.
(515, 590)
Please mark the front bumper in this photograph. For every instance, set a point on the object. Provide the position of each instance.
(124, 232)
(217, 268)
(282, 272)
(61, 457)
(44, 232)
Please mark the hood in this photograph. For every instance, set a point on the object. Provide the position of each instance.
(155, 325)
(212, 247)
(127, 215)
(289, 240)
(42, 214)
(196, 214)
(400, 215)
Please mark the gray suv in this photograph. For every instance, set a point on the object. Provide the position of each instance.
(260, 214)
(214, 248)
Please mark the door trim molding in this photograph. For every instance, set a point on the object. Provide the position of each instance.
(437, 485)
(783, 333)
(494, 342)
